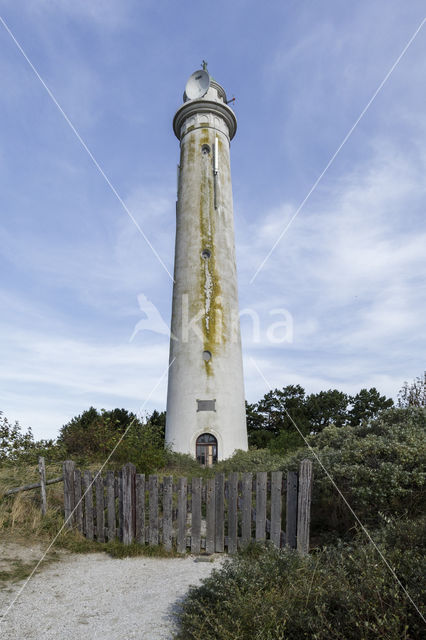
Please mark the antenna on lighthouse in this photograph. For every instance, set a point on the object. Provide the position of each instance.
(198, 84)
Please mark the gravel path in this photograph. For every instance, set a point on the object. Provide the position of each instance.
(95, 596)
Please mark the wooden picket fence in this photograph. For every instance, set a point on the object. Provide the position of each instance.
(210, 515)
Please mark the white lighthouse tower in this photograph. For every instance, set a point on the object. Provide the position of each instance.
(205, 399)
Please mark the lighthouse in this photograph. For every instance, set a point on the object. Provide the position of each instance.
(205, 397)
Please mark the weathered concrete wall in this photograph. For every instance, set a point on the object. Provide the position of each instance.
(205, 296)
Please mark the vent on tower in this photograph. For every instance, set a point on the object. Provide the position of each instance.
(206, 405)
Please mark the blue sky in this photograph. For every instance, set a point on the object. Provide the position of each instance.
(350, 268)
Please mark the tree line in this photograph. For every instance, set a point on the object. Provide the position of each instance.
(280, 422)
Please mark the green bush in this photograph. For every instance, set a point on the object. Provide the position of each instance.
(379, 466)
(251, 461)
(182, 464)
(95, 433)
(343, 592)
(143, 445)
(119, 434)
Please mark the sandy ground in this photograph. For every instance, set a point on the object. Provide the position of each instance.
(13, 551)
(94, 596)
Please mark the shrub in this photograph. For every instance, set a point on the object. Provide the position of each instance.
(242, 461)
(378, 466)
(345, 591)
(143, 445)
(182, 464)
(251, 461)
(94, 435)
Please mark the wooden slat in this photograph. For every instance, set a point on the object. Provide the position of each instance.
(100, 518)
(119, 494)
(78, 501)
(167, 512)
(210, 515)
(88, 504)
(232, 512)
(276, 507)
(68, 471)
(42, 473)
(246, 508)
(291, 509)
(153, 510)
(196, 515)
(182, 500)
(128, 478)
(33, 485)
(304, 506)
(140, 507)
(261, 478)
(111, 516)
(220, 516)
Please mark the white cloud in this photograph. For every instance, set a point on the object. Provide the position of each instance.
(55, 372)
(349, 271)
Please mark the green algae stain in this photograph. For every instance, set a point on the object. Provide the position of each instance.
(213, 324)
(190, 150)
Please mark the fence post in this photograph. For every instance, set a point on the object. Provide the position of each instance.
(68, 469)
(276, 507)
(196, 515)
(210, 515)
(182, 502)
(246, 508)
(110, 491)
(304, 506)
(153, 510)
(118, 486)
(261, 484)
(42, 472)
(140, 507)
(232, 512)
(78, 500)
(291, 510)
(100, 505)
(220, 505)
(167, 512)
(128, 492)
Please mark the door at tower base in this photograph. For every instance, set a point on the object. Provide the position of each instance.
(205, 397)
(206, 450)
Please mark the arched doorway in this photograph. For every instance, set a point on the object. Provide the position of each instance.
(206, 449)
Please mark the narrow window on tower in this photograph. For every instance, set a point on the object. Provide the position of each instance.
(216, 154)
(215, 169)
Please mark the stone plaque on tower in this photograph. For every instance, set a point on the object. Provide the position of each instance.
(205, 397)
